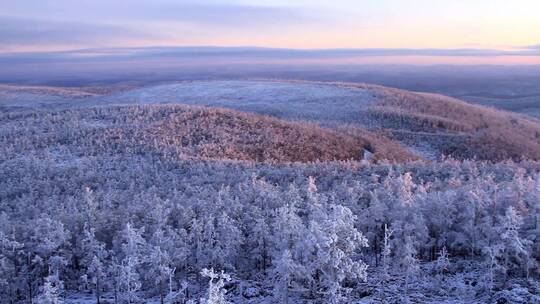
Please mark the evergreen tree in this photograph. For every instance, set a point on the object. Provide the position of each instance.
(283, 274)
(133, 249)
(515, 247)
(335, 246)
(94, 260)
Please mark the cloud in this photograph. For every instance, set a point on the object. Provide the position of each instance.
(200, 12)
(60, 22)
(21, 31)
(220, 15)
(432, 52)
(158, 62)
(276, 53)
(202, 55)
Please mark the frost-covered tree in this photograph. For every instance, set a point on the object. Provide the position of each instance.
(44, 252)
(261, 237)
(51, 292)
(443, 262)
(386, 252)
(94, 260)
(492, 255)
(128, 279)
(287, 229)
(201, 238)
(159, 270)
(283, 274)
(216, 292)
(409, 262)
(515, 246)
(9, 258)
(90, 206)
(228, 240)
(335, 247)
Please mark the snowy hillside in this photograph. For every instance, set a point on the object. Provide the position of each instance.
(131, 196)
(429, 125)
(325, 103)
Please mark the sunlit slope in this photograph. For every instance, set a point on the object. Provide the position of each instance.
(430, 125)
(455, 127)
(184, 132)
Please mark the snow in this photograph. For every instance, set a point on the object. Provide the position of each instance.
(40, 97)
(327, 103)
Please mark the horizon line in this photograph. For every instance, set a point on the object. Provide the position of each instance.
(532, 50)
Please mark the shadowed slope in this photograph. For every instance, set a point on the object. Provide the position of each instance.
(456, 127)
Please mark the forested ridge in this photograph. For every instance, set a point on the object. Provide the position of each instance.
(128, 221)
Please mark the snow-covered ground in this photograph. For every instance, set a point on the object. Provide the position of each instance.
(327, 103)
(16, 99)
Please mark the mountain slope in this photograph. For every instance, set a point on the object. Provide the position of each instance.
(430, 125)
(464, 130)
(186, 132)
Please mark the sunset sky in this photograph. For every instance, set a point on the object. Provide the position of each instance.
(57, 25)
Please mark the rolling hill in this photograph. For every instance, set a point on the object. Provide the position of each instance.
(457, 128)
(186, 132)
(251, 176)
(429, 125)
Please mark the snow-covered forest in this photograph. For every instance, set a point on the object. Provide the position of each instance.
(269, 152)
(87, 218)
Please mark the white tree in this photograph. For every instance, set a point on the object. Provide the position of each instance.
(443, 262)
(45, 252)
(91, 206)
(288, 228)
(94, 260)
(216, 292)
(386, 251)
(51, 291)
(9, 251)
(202, 238)
(492, 255)
(410, 262)
(227, 243)
(283, 273)
(334, 244)
(159, 270)
(133, 249)
(515, 247)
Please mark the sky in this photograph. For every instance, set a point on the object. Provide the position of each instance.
(483, 25)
